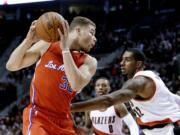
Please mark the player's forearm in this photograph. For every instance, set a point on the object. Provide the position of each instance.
(17, 55)
(121, 96)
(73, 74)
(101, 102)
(97, 103)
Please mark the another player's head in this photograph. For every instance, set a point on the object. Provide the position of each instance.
(84, 32)
(132, 61)
(102, 86)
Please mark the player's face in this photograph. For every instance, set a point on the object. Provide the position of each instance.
(87, 37)
(102, 87)
(128, 64)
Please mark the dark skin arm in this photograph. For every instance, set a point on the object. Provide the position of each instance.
(121, 110)
(140, 86)
(88, 123)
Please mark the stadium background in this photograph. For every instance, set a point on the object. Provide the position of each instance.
(152, 26)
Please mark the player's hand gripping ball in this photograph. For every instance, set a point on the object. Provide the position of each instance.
(80, 131)
(47, 26)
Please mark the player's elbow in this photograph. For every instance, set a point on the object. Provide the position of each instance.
(79, 84)
(76, 87)
(11, 67)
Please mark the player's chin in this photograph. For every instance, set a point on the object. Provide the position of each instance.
(87, 50)
(123, 72)
(100, 94)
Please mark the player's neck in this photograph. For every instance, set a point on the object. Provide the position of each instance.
(75, 46)
(73, 43)
(130, 76)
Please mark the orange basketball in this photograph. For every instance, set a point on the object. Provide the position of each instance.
(47, 26)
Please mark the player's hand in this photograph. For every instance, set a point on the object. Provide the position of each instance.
(64, 42)
(80, 131)
(31, 35)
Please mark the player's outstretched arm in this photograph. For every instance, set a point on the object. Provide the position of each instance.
(130, 90)
(104, 101)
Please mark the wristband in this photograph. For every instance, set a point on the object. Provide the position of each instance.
(65, 51)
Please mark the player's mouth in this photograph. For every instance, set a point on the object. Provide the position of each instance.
(100, 93)
(123, 69)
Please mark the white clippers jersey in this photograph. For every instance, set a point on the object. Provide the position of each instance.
(106, 121)
(161, 108)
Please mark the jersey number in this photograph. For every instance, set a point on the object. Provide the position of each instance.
(110, 128)
(136, 110)
(65, 84)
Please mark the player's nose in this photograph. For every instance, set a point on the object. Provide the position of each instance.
(122, 62)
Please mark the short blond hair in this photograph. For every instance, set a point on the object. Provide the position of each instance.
(80, 21)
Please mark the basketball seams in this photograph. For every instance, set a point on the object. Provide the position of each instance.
(54, 27)
(46, 17)
(41, 29)
(44, 29)
(47, 26)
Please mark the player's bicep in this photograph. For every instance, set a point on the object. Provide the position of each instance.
(136, 85)
(34, 53)
(30, 58)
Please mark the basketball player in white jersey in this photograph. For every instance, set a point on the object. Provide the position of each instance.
(109, 121)
(156, 108)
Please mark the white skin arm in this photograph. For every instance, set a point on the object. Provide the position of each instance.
(28, 52)
(77, 77)
(122, 112)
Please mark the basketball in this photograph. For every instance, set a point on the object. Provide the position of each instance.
(47, 26)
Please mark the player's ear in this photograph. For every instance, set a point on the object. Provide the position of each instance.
(139, 64)
(78, 29)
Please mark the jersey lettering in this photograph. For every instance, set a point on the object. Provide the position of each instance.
(136, 110)
(51, 65)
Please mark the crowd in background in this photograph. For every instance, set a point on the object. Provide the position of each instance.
(160, 44)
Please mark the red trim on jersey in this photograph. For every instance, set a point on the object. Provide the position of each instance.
(99, 132)
(154, 90)
(153, 123)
